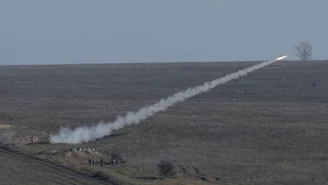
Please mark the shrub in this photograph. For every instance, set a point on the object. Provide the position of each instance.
(166, 168)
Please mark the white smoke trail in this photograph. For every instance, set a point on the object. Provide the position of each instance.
(90, 133)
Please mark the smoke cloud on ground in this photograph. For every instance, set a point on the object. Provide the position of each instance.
(7, 137)
(90, 133)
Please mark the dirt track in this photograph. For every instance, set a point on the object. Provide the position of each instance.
(23, 169)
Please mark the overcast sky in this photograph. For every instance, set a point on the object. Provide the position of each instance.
(92, 31)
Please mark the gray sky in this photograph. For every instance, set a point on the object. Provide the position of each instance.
(80, 31)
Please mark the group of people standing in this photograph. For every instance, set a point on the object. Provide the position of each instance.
(93, 162)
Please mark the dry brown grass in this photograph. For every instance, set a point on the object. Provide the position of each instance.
(6, 126)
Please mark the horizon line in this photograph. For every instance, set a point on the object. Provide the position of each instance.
(151, 62)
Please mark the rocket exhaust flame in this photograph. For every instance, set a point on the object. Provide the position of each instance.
(90, 133)
(282, 57)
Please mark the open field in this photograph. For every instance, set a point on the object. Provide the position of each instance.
(274, 132)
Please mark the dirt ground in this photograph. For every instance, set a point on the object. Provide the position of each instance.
(15, 171)
(266, 128)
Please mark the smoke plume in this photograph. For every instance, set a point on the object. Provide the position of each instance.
(100, 130)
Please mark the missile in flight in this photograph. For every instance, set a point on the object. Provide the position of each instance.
(282, 57)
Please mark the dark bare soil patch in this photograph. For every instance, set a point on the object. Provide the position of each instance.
(148, 178)
(100, 176)
(5, 116)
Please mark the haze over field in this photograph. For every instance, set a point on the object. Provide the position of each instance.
(80, 31)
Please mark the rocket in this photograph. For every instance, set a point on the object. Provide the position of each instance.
(280, 58)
